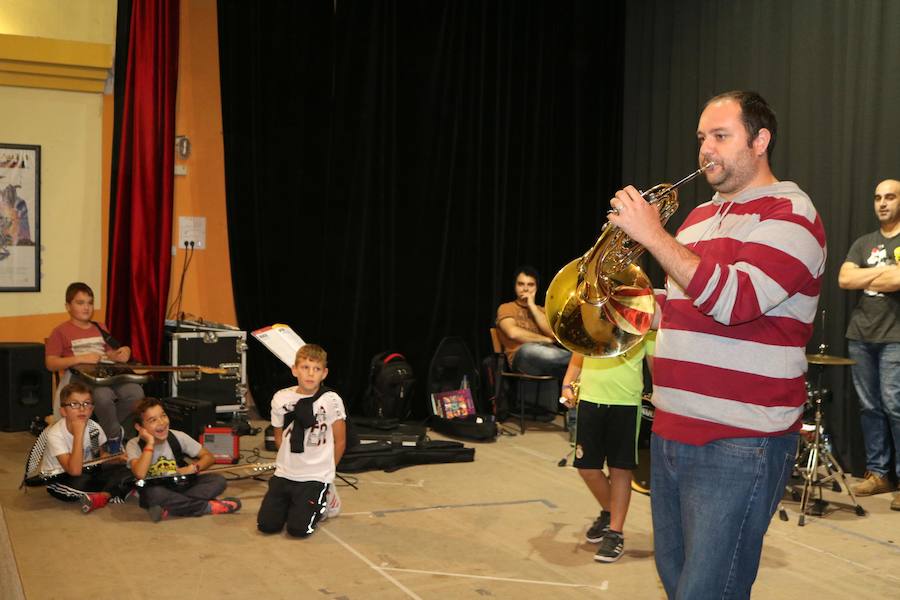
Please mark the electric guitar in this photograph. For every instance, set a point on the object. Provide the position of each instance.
(116, 373)
(177, 480)
(45, 477)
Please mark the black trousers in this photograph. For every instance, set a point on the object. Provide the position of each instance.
(116, 480)
(299, 504)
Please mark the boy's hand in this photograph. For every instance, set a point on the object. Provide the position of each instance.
(120, 355)
(188, 469)
(91, 358)
(569, 397)
(145, 435)
(77, 426)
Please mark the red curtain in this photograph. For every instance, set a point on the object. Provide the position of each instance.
(141, 227)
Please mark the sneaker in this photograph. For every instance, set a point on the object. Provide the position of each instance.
(611, 548)
(598, 529)
(114, 444)
(158, 513)
(895, 503)
(92, 501)
(224, 506)
(873, 484)
(332, 503)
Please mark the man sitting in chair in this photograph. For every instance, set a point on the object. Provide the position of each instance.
(526, 336)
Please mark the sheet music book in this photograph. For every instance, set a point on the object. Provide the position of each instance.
(455, 403)
(281, 340)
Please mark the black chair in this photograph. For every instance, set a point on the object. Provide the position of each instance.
(523, 380)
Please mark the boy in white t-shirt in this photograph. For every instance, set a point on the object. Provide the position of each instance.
(73, 441)
(310, 434)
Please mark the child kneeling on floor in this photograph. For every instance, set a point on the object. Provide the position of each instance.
(156, 457)
(310, 434)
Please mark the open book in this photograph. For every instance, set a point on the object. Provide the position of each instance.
(281, 341)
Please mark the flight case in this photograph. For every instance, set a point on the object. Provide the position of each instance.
(207, 347)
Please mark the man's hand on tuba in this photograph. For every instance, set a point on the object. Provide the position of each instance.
(636, 217)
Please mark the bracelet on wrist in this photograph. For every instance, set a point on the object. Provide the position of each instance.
(148, 448)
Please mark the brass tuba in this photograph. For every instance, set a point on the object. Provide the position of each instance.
(601, 304)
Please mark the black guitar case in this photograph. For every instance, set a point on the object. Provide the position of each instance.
(388, 457)
(481, 428)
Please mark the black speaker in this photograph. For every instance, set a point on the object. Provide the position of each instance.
(25, 391)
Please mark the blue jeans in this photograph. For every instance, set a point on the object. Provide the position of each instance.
(876, 377)
(711, 507)
(537, 358)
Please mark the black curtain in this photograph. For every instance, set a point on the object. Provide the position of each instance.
(388, 163)
(829, 69)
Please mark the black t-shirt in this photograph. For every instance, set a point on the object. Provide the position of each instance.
(876, 317)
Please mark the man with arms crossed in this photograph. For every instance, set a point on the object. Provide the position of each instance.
(744, 274)
(874, 339)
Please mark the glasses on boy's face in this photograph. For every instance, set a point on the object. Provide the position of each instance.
(79, 405)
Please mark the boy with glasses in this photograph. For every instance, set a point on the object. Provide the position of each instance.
(73, 441)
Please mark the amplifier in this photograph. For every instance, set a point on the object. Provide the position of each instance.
(223, 443)
(190, 416)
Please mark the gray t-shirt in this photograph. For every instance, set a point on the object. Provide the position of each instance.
(163, 460)
(876, 317)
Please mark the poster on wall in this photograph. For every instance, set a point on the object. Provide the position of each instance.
(20, 210)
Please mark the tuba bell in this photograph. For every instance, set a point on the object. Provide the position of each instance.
(601, 304)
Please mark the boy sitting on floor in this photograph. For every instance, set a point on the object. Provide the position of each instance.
(73, 441)
(159, 452)
(310, 434)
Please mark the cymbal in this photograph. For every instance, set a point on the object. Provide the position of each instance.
(828, 359)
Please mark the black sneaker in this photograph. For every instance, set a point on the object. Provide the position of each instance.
(611, 548)
(598, 529)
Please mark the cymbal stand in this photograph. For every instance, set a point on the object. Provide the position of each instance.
(819, 457)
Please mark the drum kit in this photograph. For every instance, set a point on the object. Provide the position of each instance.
(815, 464)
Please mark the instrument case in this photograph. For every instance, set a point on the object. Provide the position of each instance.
(481, 428)
(207, 347)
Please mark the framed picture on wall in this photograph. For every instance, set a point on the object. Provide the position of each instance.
(20, 218)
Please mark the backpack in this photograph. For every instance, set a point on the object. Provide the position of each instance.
(452, 368)
(390, 387)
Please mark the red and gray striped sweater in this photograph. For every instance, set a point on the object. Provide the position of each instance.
(731, 349)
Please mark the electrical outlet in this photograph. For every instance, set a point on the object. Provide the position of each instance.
(192, 229)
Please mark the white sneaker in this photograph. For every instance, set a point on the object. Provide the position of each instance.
(332, 503)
